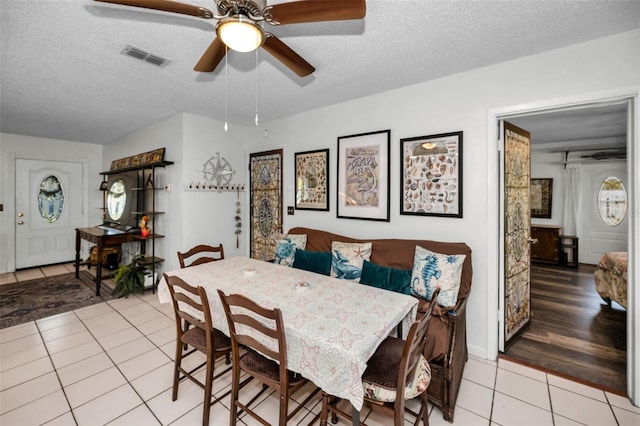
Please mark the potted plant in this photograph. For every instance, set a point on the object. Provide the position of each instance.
(130, 278)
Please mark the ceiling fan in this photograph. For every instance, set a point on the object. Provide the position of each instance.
(620, 154)
(239, 28)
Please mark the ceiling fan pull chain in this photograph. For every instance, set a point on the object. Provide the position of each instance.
(226, 88)
(257, 121)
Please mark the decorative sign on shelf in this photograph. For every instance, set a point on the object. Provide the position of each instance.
(145, 159)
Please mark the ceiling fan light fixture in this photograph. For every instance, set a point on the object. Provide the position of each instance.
(240, 33)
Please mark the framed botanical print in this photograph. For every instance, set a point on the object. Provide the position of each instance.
(312, 180)
(541, 192)
(363, 176)
(431, 175)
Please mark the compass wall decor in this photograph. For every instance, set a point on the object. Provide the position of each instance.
(217, 174)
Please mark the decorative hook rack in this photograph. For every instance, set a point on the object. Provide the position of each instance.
(207, 187)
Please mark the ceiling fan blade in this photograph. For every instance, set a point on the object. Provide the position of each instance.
(167, 6)
(287, 56)
(212, 56)
(296, 12)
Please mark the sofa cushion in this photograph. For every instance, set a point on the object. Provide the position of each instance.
(398, 280)
(418, 384)
(392, 252)
(286, 247)
(435, 270)
(347, 259)
(318, 262)
(399, 253)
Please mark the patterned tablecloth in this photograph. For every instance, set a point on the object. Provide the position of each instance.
(332, 328)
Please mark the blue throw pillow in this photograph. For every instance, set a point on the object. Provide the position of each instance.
(436, 270)
(312, 261)
(398, 280)
(286, 247)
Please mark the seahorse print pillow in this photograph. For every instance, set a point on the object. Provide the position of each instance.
(435, 270)
(286, 247)
(347, 259)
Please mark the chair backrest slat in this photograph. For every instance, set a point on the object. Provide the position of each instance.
(204, 252)
(244, 316)
(184, 294)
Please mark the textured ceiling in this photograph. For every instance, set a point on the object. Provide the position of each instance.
(63, 76)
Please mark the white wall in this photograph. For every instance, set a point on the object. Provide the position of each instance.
(191, 217)
(459, 102)
(208, 215)
(164, 134)
(594, 237)
(542, 167)
(13, 147)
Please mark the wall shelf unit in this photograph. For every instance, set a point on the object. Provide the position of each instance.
(145, 205)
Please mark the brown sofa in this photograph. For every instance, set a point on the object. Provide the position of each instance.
(446, 347)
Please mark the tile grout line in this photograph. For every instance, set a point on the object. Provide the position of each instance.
(156, 346)
(55, 370)
(118, 367)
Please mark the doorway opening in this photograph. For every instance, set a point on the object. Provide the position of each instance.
(512, 114)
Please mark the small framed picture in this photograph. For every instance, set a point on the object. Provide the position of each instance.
(431, 175)
(541, 197)
(363, 176)
(312, 180)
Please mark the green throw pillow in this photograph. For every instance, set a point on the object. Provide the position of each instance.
(312, 261)
(398, 280)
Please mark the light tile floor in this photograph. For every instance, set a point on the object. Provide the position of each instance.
(111, 363)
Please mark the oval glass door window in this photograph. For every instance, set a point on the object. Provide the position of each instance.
(117, 199)
(612, 201)
(50, 199)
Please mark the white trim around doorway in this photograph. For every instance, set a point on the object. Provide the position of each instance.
(494, 275)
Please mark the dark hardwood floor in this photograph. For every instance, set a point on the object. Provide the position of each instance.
(573, 332)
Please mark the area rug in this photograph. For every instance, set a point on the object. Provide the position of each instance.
(31, 300)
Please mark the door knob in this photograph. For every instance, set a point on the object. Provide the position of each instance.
(533, 241)
(20, 214)
(20, 222)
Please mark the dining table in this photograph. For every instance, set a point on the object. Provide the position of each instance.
(332, 326)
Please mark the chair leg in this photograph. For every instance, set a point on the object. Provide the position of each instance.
(176, 370)
(424, 410)
(235, 388)
(207, 391)
(398, 412)
(324, 410)
(284, 405)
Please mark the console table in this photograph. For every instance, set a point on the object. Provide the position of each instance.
(101, 238)
(547, 247)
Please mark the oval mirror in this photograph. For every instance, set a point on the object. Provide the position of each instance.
(117, 199)
(50, 199)
(612, 201)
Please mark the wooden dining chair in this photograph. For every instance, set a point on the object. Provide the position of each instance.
(266, 362)
(201, 253)
(396, 365)
(195, 335)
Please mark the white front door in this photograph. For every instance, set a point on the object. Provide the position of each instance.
(598, 236)
(49, 206)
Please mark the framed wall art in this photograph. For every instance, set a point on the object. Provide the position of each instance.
(541, 196)
(363, 176)
(431, 175)
(312, 180)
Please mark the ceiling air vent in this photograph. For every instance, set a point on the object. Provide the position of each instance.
(138, 53)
